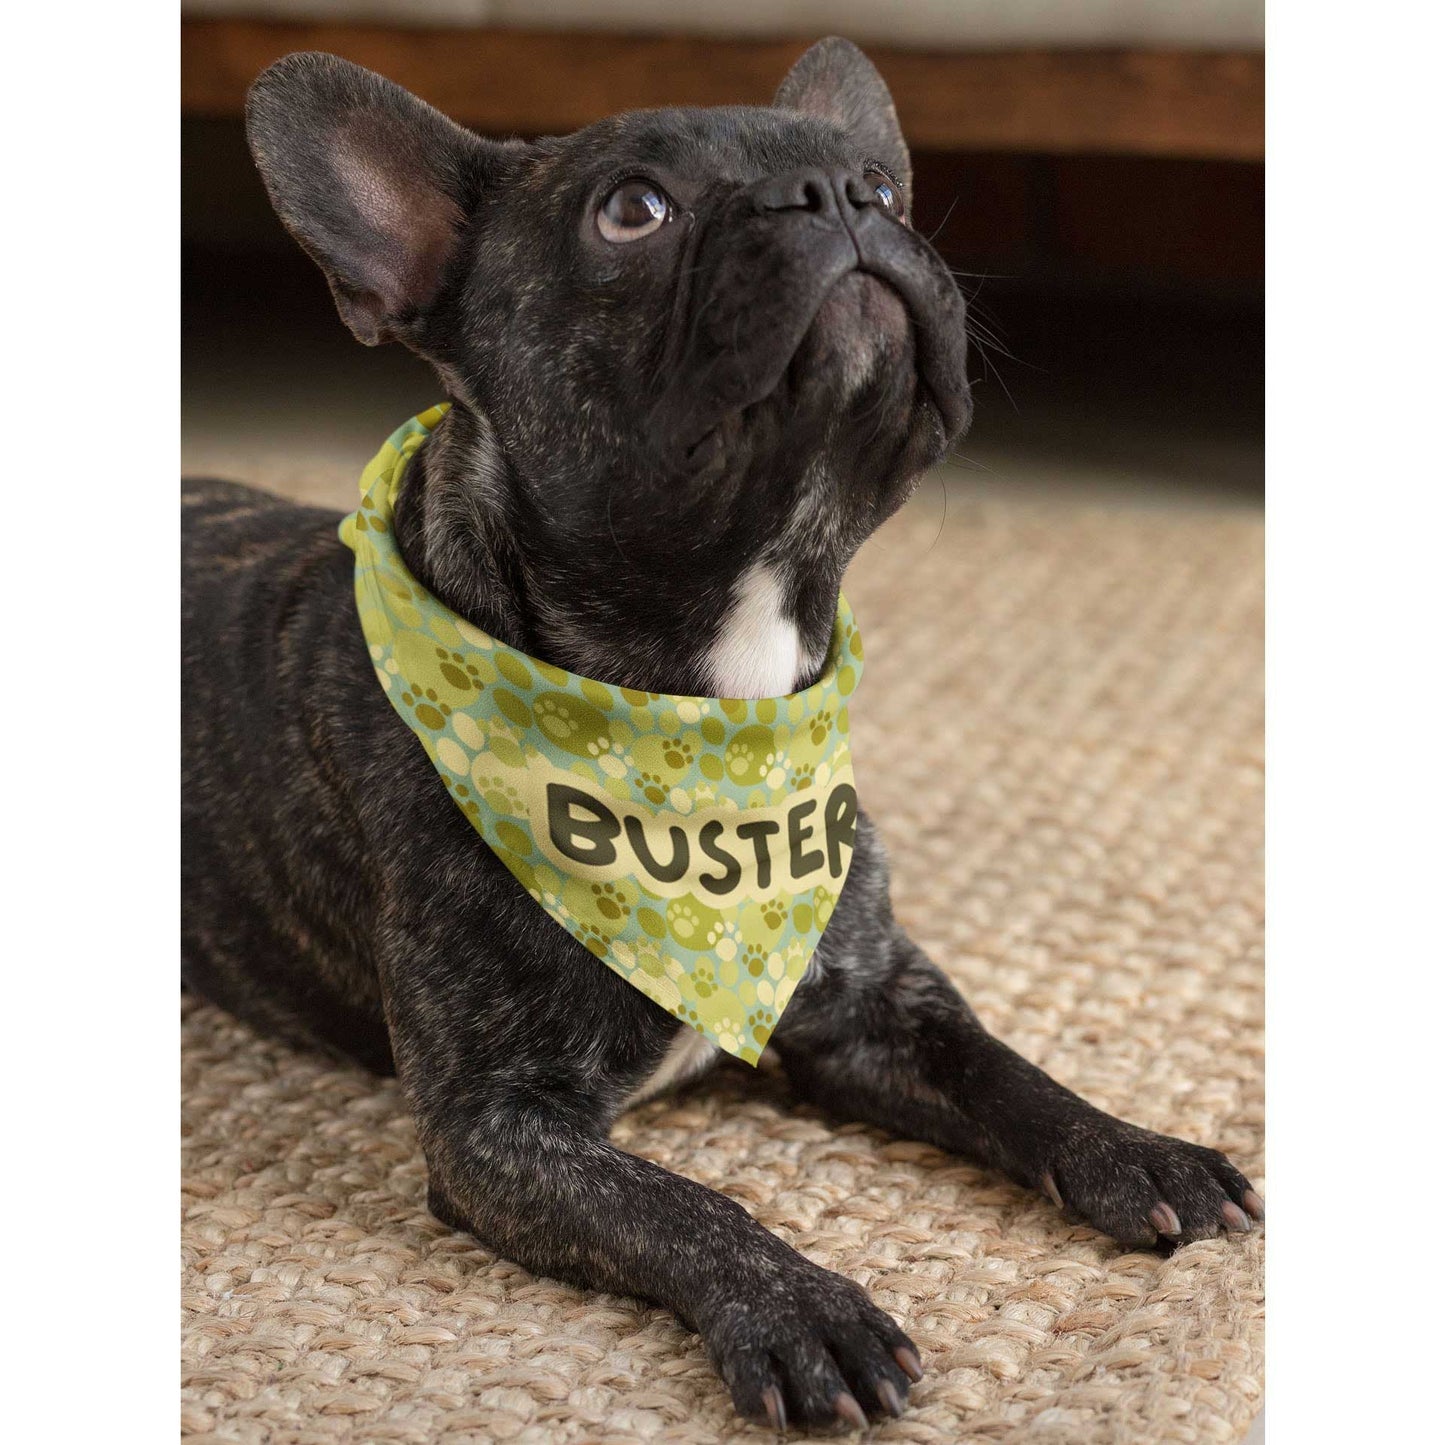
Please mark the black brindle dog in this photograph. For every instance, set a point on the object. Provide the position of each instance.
(695, 357)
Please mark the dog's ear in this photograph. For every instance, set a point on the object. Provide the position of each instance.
(835, 80)
(374, 184)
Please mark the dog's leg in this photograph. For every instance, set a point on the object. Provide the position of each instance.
(877, 1033)
(517, 1154)
(793, 1342)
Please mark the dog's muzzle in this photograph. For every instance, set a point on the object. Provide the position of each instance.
(772, 257)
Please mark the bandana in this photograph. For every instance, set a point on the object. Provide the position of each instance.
(695, 845)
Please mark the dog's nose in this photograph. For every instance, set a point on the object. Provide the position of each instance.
(813, 189)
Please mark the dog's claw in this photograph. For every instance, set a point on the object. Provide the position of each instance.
(850, 1412)
(909, 1363)
(1235, 1219)
(777, 1411)
(1052, 1190)
(1165, 1220)
(1254, 1205)
(889, 1397)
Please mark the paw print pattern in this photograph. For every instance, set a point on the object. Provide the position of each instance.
(590, 937)
(823, 902)
(457, 670)
(609, 902)
(667, 757)
(432, 674)
(572, 724)
(693, 924)
(500, 796)
(430, 710)
(683, 919)
(775, 770)
(813, 738)
(747, 757)
(678, 754)
(652, 787)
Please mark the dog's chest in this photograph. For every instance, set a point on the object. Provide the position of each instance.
(757, 653)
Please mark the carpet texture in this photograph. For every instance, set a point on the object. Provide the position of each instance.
(1075, 824)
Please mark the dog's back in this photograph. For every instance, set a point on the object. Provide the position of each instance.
(275, 907)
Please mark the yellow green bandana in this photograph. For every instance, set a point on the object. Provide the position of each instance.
(696, 845)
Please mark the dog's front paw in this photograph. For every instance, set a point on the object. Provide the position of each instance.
(1146, 1188)
(806, 1347)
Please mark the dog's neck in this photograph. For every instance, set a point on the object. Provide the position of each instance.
(736, 627)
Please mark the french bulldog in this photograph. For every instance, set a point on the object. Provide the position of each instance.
(694, 358)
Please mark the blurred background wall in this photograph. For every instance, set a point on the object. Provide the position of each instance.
(1093, 169)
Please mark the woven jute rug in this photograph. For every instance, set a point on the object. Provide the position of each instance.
(1072, 798)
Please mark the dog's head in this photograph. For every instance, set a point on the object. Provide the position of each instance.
(690, 342)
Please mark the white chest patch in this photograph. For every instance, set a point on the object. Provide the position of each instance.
(757, 653)
(688, 1054)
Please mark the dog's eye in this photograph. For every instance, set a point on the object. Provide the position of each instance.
(635, 209)
(889, 196)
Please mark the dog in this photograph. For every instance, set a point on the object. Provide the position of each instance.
(694, 358)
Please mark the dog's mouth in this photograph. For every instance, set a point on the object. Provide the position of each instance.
(861, 326)
(863, 329)
(934, 312)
